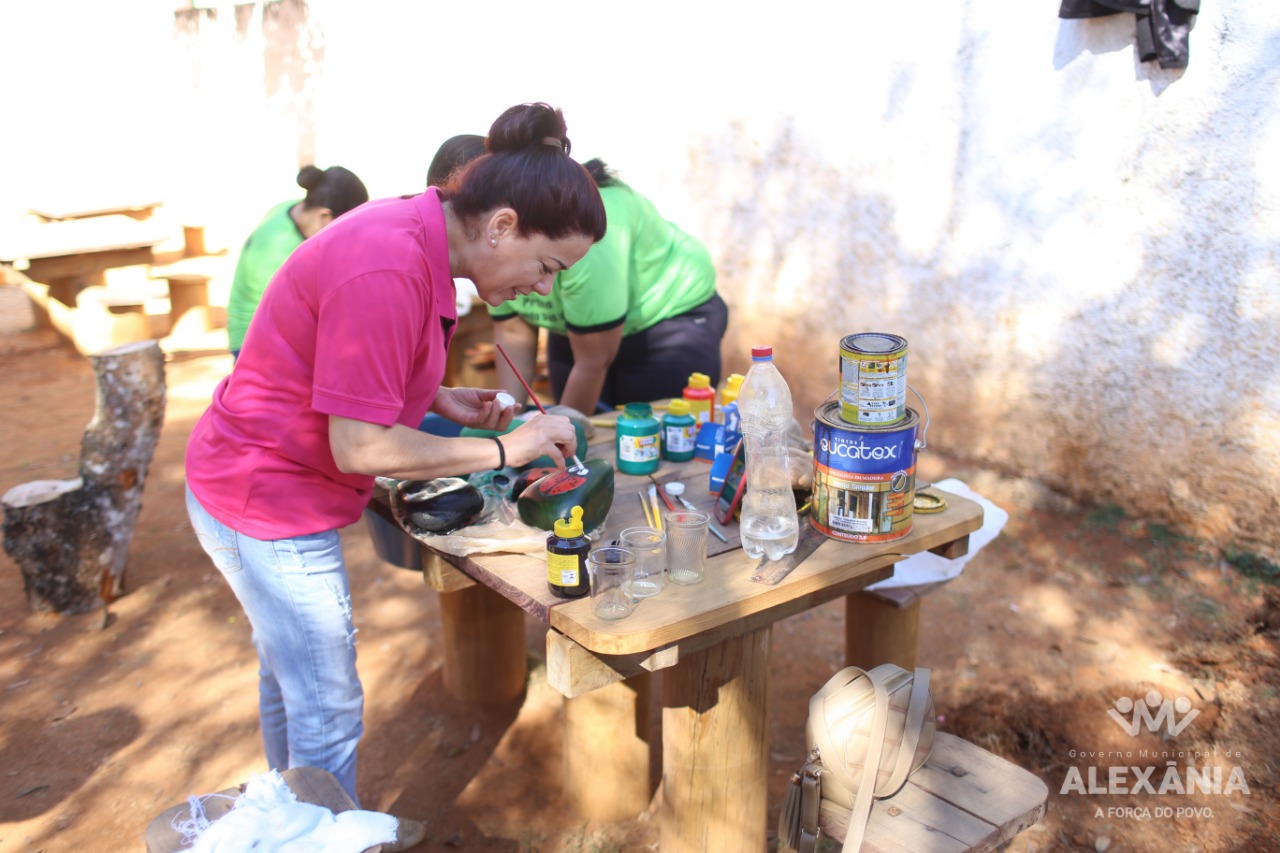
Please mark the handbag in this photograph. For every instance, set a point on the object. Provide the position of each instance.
(867, 732)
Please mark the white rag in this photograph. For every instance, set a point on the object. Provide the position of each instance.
(925, 567)
(268, 818)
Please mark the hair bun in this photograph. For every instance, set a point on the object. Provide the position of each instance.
(527, 125)
(310, 177)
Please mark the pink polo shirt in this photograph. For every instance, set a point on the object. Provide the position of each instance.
(356, 323)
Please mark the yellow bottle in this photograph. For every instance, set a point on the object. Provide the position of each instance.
(732, 385)
(701, 397)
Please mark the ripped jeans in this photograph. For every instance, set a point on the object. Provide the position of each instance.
(298, 600)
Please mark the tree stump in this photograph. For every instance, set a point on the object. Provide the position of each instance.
(71, 537)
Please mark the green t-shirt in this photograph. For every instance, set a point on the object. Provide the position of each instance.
(644, 271)
(268, 246)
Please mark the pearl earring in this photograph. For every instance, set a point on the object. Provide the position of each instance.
(493, 239)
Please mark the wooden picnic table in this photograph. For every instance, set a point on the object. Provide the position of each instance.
(73, 254)
(85, 207)
(712, 641)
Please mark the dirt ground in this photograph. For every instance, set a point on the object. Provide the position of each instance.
(106, 719)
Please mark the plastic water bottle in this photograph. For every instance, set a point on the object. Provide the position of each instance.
(770, 526)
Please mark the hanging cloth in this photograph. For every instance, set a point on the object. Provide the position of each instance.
(1163, 26)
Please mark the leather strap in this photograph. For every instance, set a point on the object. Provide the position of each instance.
(917, 705)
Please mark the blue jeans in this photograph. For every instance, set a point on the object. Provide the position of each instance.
(298, 600)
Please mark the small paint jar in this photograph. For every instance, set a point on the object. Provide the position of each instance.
(679, 430)
(701, 398)
(639, 440)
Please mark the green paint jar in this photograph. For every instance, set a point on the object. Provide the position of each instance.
(679, 431)
(639, 440)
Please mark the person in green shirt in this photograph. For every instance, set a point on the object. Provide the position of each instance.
(330, 193)
(629, 322)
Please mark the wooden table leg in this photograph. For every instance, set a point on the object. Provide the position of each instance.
(715, 745)
(607, 742)
(484, 647)
(186, 291)
(877, 631)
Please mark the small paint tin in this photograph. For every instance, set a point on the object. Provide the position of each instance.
(873, 379)
(863, 478)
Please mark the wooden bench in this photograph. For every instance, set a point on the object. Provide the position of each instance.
(311, 784)
(962, 799)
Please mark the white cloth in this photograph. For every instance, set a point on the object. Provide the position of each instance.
(267, 818)
(930, 568)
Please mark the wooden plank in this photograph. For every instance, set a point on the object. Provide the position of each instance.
(78, 237)
(88, 263)
(715, 748)
(984, 784)
(954, 549)
(963, 799)
(574, 671)
(727, 603)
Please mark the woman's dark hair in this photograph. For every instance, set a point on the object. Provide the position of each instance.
(335, 188)
(600, 172)
(528, 170)
(456, 152)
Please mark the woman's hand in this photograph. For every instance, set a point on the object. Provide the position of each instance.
(474, 407)
(541, 435)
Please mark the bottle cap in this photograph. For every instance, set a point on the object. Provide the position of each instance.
(570, 528)
(762, 353)
(678, 407)
(676, 489)
(734, 381)
(699, 380)
(638, 410)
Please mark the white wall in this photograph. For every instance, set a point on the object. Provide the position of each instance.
(1080, 248)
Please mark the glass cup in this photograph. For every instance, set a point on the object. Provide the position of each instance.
(686, 545)
(650, 547)
(612, 571)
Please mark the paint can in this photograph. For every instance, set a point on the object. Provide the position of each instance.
(873, 379)
(864, 478)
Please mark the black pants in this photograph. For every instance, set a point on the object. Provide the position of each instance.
(655, 363)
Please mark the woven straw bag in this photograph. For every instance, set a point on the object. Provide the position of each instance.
(867, 732)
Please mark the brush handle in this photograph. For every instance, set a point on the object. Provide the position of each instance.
(520, 377)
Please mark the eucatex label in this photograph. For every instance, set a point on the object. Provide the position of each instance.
(863, 478)
(865, 452)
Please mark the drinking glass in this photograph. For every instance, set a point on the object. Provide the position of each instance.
(650, 547)
(686, 545)
(612, 571)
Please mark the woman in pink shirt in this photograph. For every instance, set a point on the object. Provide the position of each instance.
(343, 360)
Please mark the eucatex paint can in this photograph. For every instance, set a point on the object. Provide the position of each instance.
(864, 479)
(873, 379)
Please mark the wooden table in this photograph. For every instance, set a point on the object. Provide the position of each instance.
(86, 207)
(712, 640)
(71, 255)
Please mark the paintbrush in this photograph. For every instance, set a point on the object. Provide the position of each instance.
(578, 468)
(644, 506)
(657, 510)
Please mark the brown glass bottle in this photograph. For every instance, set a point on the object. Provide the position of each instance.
(567, 549)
